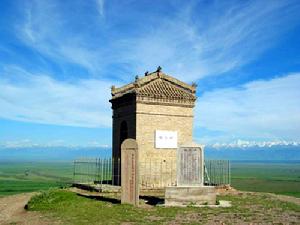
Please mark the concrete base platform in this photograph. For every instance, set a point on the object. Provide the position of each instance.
(190, 196)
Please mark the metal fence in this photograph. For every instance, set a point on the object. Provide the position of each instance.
(97, 170)
(153, 173)
(217, 172)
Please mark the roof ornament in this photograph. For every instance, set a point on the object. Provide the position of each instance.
(146, 73)
(194, 85)
(158, 70)
(113, 88)
(136, 82)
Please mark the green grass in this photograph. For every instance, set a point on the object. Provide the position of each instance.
(36, 170)
(27, 177)
(9, 187)
(79, 210)
(273, 186)
(71, 208)
(279, 178)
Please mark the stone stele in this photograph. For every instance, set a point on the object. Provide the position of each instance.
(190, 165)
(129, 171)
(190, 176)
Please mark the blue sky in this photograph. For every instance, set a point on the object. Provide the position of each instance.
(58, 60)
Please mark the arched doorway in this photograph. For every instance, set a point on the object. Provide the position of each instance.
(123, 132)
(123, 136)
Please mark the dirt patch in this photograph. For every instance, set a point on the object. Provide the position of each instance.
(248, 208)
(286, 198)
(225, 190)
(12, 211)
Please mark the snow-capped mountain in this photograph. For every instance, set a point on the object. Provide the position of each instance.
(250, 144)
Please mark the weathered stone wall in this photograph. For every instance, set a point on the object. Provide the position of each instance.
(150, 117)
(161, 117)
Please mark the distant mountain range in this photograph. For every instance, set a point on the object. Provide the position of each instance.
(272, 153)
(269, 152)
(235, 144)
(255, 144)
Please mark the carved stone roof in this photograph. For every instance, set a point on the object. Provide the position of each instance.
(157, 85)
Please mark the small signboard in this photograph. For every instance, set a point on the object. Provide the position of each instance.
(165, 139)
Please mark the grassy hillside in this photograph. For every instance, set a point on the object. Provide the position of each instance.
(71, 208)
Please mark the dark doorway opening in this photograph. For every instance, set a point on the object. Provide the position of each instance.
(123, 132)
(123, 136)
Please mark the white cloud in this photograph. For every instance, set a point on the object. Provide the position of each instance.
(47, 29)
(211, 39)
(267, 110)
(42, 99)
(198, 40)
(100, 7)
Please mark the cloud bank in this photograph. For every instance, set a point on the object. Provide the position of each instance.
(41, 99)
(266, 109)
(262, 110)
(193, 39)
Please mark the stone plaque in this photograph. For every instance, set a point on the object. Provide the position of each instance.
(129, 172)
(190, 165)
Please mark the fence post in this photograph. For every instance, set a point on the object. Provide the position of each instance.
(96, 171)
(107, 170)
(74, 166)
(229, 173)
(101, 171)
(104, 172)
(112, 170)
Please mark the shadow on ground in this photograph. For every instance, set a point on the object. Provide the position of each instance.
(152, 200)
(149, 200)
(101, 198)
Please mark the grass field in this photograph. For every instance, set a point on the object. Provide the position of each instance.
(70, 208)
(27, 177)
(280, 178)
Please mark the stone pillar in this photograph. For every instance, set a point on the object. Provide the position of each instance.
(130, 172)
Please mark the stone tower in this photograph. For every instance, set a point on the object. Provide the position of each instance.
(157, 111)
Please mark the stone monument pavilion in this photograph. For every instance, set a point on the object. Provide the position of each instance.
(157, 111)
